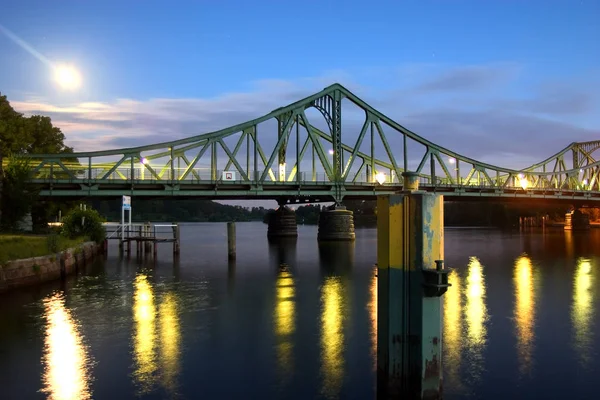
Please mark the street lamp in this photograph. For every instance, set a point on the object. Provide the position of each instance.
(380, 178)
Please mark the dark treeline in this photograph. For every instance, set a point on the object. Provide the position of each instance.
(455, 213)
(179, 210)
(192, 210)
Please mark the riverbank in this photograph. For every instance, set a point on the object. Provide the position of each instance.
(43, 268)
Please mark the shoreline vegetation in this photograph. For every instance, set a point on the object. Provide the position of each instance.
(22, 246)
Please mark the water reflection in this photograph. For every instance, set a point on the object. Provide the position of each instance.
(144, 313)
(332, 335)
(582, 310)
(66, 371)
(453, 329)
(569, 246)
(153, 338)
(336, 262)
(170, 341)
(372, 307)
(285, 321)
(524, 312)
(282, 250)
(476, 316)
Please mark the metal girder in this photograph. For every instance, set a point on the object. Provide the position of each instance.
(165, 159)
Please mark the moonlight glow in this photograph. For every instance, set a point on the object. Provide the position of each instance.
(67, 77)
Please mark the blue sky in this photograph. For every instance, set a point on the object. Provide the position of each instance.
(503, 81)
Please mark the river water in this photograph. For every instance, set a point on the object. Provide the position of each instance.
(521, 320)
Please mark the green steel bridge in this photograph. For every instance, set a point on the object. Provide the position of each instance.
(306, 152)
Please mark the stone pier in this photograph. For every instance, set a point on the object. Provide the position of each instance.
(282, 223)
(336, 223)
(576, 220)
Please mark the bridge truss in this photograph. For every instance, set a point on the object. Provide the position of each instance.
(307, 150)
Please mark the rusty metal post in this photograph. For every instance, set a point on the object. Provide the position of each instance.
(176, 237)
(231, 240)
(411, 281)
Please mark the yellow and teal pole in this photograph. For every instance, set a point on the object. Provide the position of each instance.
(411, 281)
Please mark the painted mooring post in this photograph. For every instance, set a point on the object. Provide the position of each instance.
(411, 281)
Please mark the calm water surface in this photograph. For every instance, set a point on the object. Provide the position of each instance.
(520, 321)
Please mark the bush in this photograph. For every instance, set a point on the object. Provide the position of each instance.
(78, 223)
(52, 241)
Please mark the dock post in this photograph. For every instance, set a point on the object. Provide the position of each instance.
(231, 240)
(147, 232)
(411, 281)
(176, 237)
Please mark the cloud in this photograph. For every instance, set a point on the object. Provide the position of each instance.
(469, 78)
(491, 125)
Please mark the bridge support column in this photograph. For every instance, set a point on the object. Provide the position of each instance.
(282, 223)
(576, 220)
(411, 281)
(336, 223)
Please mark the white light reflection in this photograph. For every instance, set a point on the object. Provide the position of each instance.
(66, 362)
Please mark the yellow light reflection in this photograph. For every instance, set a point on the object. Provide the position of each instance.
(476, 314)
(372, 307)
(582, 310)
(453, 329)
(170, 339)
(285, 321)
(524, 312)
(332, 335)
(569, 246)
(144, 313)
(66, 373)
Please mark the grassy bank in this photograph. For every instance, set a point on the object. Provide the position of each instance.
(16, 247)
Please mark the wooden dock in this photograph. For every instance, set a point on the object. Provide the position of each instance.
(145, 236)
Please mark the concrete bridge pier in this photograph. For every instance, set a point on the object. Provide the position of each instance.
(576, 220)
(411, 281)
(282, 223)
(336, 223)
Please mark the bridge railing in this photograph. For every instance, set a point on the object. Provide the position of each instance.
(108, 173)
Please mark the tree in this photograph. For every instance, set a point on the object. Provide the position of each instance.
(18, 194)
(28, 135)
(20, 135)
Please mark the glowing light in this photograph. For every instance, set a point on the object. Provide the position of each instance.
(66, 373)
(521, 176)
(380, 178)
(524, 183)
(144, 313)
(582, 311)
(476, 313)
(585, 181)
(453, 329)
(170, 339)
(144, 161)
(285, 321)
(524, 312)
(452, 160)
(331, 152)
(332, 336)
(67, 77)
(282, 172)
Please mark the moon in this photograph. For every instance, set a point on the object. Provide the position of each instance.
(67, 77)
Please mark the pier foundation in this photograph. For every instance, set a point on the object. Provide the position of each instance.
(576, 220)
(411, 281)
(336, 223)
(282, 223)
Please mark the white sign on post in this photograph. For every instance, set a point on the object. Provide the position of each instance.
(126, 202)
(228, 175)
